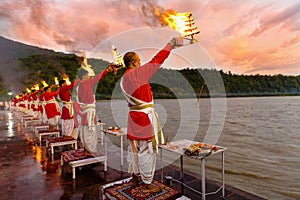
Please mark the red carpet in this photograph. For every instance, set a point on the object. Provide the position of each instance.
(73, 155)
(59, 139)
(126, 191)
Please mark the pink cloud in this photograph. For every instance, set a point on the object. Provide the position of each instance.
(241, 36)
(70, 25)
(236, 51)
(291, 42)
(286, 17)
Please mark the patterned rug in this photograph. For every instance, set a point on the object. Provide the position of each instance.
(127, 191)
(73, 155)
(47, 130)
(59, 139)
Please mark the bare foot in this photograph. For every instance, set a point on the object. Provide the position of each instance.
(66, 137)
(135, 180)
(51, 128)
(86, 153)
(148, 188)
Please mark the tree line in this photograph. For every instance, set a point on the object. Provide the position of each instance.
(166, 83)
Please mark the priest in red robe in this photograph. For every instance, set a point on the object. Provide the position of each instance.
(67, 121)
(143, 130)
(86, 101)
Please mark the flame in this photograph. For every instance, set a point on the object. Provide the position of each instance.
(56, 81)
(181, 22)
(35, 87)
(17, 97)
(28, 90)
(118, 59)
(45, 84)
(87, 67)
(66, 78)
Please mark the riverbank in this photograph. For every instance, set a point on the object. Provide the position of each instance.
(27, 171)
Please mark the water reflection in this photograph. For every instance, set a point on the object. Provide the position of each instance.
(38, 153)
(10, 131)
(47, 166)
(19, 127)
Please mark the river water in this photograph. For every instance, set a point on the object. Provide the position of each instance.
(262, 135)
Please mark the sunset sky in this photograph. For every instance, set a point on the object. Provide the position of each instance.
(244, 37)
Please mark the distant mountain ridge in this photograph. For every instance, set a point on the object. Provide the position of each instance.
(23, 65)
(10, 53)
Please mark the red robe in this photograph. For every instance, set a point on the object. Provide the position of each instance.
(41, 101)
(77, 111)
(136, 84)
(29, 102)
(65, 96)
(86, 95)
(22, 101)
(51, 108)
(34, 99)
(14, 102)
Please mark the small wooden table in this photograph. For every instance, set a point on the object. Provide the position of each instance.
(25, 118)
(179, 147)
(61, 142)
(102, 127)
(36, 129)
(23, 115)
(74, 160)
(120, 133)
(33, 121)
(47, 133)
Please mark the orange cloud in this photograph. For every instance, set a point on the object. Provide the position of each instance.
(291, 42)
(286, 18)
(244, 37)
(275, 44)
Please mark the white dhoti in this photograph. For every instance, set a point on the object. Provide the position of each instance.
(141, 160)
(43, 115)
(75, 133)
(67, 126)
(54, 120)
(36, 112)
(89, 138)
(142, 153)
(90, 110)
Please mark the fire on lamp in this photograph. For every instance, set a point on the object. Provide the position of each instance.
(87, 67)
(35, 87)
(45, 84)
(66, 78)
(181, 22)
(118, 59)
(56, 81)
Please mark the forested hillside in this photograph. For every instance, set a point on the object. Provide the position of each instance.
(10, 72)
(165, 83)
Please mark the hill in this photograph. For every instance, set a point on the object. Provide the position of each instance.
(10, 53)
(22, 66)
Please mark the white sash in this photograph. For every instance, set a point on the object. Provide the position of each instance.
(55, 102)
(147, 108)
(90, 109)
(69, 106)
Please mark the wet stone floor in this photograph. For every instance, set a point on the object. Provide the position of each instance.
(27, 172)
